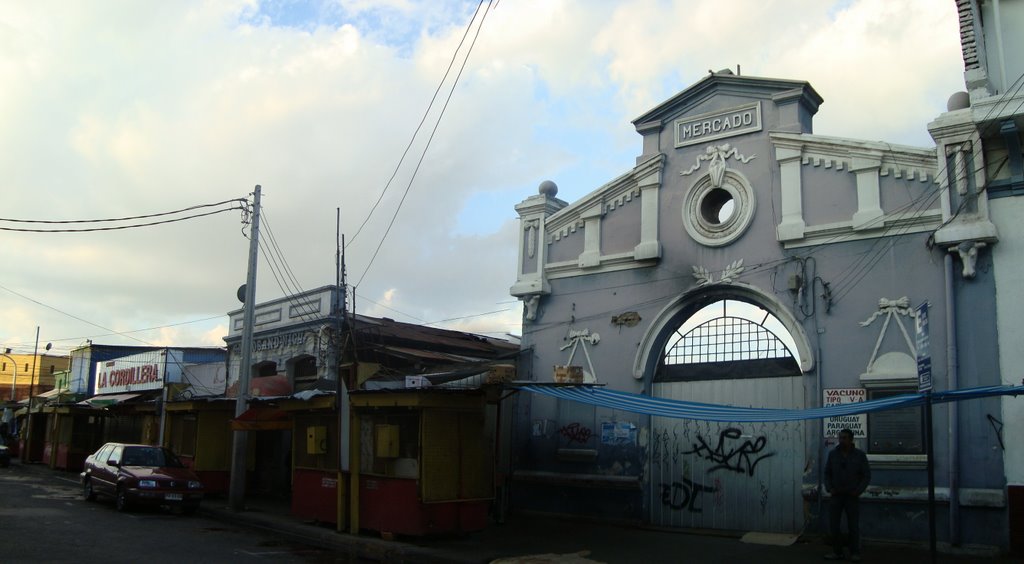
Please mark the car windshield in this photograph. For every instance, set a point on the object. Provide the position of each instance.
(149, 456)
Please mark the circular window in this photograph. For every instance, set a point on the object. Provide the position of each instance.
(718, 215)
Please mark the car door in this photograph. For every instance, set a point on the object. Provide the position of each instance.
(94, 468)
(108, 466)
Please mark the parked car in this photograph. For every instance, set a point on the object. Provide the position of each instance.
(140, 475)
(5, 455)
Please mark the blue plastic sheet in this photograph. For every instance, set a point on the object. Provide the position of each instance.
(636, 403)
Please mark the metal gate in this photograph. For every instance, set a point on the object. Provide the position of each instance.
(733, 476)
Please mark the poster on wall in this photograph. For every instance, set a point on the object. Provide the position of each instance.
(857, 423)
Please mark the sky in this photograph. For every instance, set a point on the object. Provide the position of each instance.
(125, 108)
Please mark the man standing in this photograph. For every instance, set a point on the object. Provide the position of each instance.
(847, 474)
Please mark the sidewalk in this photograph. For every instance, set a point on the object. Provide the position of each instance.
(531, 539)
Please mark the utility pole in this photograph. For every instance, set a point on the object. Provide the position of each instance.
(236, 488)
(27, 456)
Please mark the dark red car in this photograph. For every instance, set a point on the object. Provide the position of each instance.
(137, 475)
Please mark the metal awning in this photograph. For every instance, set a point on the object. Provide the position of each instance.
(107, 400)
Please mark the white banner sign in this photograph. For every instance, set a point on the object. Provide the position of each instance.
(857, 423)
(138, 372)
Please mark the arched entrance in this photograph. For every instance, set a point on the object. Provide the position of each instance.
(724, 347)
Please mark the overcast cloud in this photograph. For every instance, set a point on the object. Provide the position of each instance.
(123, 108)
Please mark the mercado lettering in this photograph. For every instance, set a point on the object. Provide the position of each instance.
(727, 123)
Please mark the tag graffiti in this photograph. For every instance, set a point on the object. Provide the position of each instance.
(730, 453)
(576, 433)
(685, 495)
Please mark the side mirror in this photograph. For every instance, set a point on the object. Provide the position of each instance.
(113, 462)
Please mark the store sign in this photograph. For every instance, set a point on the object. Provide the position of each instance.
(857, 423)
(717, 125)
(924, 355)
(145, 371)
(295, 338)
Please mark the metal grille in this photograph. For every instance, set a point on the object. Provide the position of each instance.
(725, 339)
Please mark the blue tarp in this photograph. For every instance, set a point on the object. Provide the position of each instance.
(678, 409)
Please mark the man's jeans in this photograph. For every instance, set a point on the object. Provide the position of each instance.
(851, 506)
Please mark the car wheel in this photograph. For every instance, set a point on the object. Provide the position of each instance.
(87, 491)
(121, 500)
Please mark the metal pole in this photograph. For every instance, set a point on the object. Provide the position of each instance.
(31, 391)
(236, 488)
(931, 478)
(14, 382)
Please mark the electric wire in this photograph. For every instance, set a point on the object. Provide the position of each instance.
(426, 147)
(120, 227)
(129, 218)
(423, 119)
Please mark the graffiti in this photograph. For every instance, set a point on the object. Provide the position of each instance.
(742, 458)
(684, 495)
(576, 433)
(665, 448)
(997, 426)
(764, 496)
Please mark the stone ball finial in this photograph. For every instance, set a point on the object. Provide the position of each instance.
(958, 101)
(548, 188)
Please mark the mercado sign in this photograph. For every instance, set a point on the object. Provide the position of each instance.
(716, 125)
(857, 423)
(137, 372)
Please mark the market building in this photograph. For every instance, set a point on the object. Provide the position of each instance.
(991, 117)
(746, 261)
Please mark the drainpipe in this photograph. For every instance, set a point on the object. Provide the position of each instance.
(954, 427)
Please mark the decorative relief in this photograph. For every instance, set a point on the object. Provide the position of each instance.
(717, 154)
(531, 236)
(530, 304)
(579, 338)
(968, 252)
(729, 275)
(891, 309)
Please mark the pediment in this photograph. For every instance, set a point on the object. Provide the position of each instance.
(716, 84)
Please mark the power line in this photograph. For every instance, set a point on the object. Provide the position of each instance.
(134, 226)
(415, 133)
(130, 218)
(423, 154)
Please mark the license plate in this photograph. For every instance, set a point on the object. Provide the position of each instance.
(173, 497)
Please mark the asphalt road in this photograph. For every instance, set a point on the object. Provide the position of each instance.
(43, 518)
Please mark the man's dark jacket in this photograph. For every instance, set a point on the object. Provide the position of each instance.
(847, 474)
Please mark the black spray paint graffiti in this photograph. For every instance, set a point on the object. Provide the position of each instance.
(684, 495)
(997, 426)
(576, 433)
(741, 458)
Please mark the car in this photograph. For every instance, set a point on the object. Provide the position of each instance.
(5, 455)
(137, 475)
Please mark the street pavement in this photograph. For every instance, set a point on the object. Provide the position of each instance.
(536, 539)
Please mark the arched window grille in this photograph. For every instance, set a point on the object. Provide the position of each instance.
(727, 346)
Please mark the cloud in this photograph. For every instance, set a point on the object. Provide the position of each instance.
(115, 109)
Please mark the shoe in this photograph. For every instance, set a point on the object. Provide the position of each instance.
(855, 558)
(833, 556)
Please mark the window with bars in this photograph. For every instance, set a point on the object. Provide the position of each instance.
(728, 339)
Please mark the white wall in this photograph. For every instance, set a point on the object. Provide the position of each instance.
(1008, 255)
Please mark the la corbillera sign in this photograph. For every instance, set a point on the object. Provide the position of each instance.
(138, 372)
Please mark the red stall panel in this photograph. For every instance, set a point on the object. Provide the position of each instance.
(315, 495)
